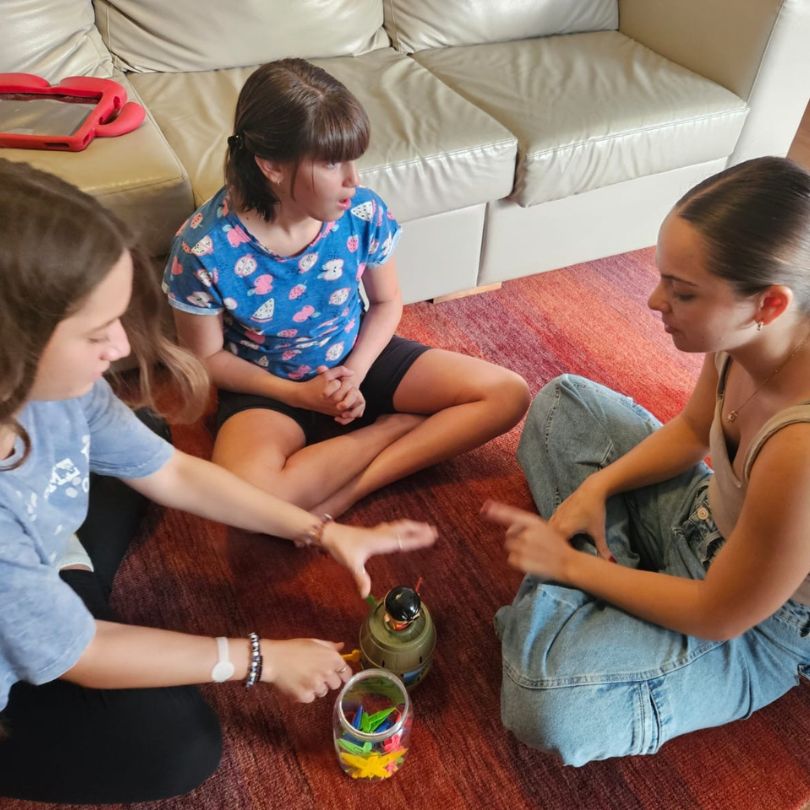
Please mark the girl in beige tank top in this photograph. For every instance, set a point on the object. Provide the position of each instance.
(706, 616)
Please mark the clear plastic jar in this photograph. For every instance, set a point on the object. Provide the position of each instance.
(372, 725)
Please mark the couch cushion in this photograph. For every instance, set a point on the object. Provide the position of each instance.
(431, 151)
(415, 25)
(54, 42)
(591, 109)
(136, 175)
(155, 35)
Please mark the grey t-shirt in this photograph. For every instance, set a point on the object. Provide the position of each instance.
(44, 626)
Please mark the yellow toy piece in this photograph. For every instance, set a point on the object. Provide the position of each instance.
(353, 657)
(374, 766)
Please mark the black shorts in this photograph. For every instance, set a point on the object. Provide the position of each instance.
(378, 388)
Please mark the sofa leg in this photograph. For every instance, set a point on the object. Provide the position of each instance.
(439, 299)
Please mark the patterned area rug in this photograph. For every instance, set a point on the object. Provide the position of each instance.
(187, 574)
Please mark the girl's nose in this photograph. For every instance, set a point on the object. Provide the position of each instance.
(117, 344)
(351, 177)
(657, 300)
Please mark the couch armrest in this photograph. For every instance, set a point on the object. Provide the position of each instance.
(722, 40)
(755, 48)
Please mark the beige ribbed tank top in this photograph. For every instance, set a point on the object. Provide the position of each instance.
(726, 491)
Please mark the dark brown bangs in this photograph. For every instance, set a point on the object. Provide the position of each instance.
(340, 132)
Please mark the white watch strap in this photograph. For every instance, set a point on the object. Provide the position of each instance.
(223, 669)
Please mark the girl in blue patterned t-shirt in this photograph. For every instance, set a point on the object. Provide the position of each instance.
(319, 401)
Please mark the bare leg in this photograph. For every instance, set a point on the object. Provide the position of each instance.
(468, 402)
(267, 449)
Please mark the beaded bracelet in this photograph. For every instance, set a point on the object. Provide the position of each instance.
(254, 672)
(314, 535)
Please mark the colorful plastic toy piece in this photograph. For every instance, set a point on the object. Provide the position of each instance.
(392, 743)
(375, 766)
(354, 748)
(371, 722)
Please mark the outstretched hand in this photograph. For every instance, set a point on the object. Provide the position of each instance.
(352, 546)
(534, 546)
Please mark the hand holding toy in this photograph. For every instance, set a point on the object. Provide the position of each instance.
(304, 668)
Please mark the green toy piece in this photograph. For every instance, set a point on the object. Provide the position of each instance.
(370, 722)
(354, 748)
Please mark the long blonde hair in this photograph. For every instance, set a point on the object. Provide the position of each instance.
(56, 245)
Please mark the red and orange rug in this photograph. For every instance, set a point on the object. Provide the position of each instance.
(191, 575)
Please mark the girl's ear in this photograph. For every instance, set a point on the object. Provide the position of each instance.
(773, 302)
(271, 169)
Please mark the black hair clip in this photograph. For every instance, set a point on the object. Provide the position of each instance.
(236, 141)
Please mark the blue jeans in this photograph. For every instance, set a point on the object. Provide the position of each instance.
(588, 681)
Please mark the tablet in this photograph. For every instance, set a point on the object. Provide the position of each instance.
(66, 116)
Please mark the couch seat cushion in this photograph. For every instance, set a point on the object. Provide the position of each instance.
(135, 175)
(431, 150)
(591, 109)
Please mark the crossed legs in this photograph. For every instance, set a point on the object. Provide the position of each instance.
(446, 403)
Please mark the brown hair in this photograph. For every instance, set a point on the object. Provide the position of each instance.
(289, 110)
(56, 245)
(754, 220)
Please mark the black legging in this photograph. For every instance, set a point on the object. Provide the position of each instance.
(73, 745)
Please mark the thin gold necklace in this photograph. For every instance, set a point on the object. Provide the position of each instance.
(732, 415)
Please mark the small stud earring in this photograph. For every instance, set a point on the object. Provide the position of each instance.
(759, 326)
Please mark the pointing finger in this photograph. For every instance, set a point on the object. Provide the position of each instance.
(505, 515)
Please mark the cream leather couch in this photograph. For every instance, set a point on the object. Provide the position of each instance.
(509, 137)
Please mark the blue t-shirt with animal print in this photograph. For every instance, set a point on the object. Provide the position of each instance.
(289, 314)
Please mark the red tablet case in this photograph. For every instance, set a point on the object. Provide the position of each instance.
(112, 114)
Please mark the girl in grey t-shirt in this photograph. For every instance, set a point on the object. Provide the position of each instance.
(95, 710)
